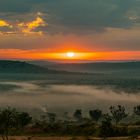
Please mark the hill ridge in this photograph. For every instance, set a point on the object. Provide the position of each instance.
(11, 66)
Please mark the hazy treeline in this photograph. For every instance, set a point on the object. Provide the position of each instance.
(13, 122)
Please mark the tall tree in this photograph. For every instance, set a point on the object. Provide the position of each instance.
(118, 113)
(7, 121)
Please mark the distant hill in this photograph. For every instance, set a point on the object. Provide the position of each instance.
(97, 67)
(7, 66)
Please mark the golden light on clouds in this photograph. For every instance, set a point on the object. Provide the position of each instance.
(28, 28)
(3, 23)
(25, 28)
(36, 23)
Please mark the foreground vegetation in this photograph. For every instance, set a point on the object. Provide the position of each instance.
(13, 122)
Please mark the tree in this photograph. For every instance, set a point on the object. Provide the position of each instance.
(137, 110)
(118, 113)
(23, 119)
(51, 117)
(106, 128)
(95, 114)
(78, 115)
(66, 116)
(7, 121)
(10, 118)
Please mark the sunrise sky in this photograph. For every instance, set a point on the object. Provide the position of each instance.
(50, 29)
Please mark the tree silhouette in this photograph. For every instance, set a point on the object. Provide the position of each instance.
(7, 121)
(95, 114)
(51, 117)
(106, 127)
(118, 113)
(78, 115)
(23, 119)
(10, 118)
(137, 110)
(66, 116)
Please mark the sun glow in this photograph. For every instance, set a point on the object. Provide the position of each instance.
(70, 54)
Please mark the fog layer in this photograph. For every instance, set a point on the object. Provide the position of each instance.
(61, 98)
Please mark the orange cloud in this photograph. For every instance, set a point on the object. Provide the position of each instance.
(36, 23)
(28, 28)
(3, 23)
(25, 28)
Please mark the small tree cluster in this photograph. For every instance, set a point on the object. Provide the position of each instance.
(12, 119)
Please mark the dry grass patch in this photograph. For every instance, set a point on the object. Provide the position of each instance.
(68, 138)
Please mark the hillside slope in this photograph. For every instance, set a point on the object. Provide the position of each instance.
(7, 66)
(96, 67)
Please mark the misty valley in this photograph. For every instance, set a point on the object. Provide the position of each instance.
(51, 100)
(59, 91)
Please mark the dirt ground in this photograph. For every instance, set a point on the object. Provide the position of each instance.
(68, 138)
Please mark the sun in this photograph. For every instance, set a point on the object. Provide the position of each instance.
(70, 54)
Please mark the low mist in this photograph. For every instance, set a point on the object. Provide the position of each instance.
(60, 98)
